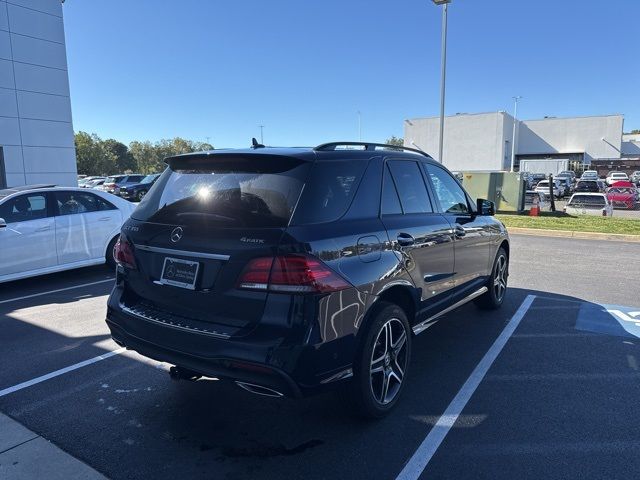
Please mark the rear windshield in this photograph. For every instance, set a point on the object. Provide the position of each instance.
(587, 184)
(252, 193)
(587, 201)
(113, 179)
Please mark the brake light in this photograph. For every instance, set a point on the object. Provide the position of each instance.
(291, 274)
(123, 253)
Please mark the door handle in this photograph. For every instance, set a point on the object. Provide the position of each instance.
(104, 219)
(405, 240)
(43, 229)
(459, 231)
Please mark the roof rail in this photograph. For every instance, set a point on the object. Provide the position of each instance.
(331, 146)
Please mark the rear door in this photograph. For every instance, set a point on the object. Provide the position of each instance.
(194, 234)
(473, 234)
(84, 223)
(416, 230)
(26, 242)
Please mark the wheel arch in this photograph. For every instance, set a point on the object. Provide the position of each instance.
(404, 296)
(506, 246)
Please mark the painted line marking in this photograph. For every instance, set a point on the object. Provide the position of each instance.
(423, 455)
(57, 373)
(56, 291)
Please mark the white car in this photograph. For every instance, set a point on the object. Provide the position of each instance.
(614, 177)
(589, 204)
(543, 187)
(589, 175)
(45, 229)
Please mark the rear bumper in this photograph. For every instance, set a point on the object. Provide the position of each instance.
(280, 361)
(227, 368)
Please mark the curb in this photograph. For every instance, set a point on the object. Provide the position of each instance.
(25, 455)
(614, 237)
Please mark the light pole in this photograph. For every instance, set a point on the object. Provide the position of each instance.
(515, 130)
(261, 134)
(443, 71)
(359, 126)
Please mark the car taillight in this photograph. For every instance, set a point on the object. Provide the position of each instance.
(123, 253)
(291, 274)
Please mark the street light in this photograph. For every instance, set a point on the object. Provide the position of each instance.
(443, 71)
(515, 126)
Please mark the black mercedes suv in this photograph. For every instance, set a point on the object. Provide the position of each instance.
(291, 270)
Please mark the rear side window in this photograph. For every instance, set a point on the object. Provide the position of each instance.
(390, 200)
(411, 187)
(226, 191)
(329, 191)
(73, 202)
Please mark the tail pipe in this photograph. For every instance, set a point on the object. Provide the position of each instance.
(259, 389)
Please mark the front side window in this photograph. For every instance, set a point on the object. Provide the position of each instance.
(24, 208)
(448, 191)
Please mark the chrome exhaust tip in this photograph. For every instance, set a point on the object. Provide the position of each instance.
(259, 389)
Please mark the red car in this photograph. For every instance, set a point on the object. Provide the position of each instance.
(623, 195)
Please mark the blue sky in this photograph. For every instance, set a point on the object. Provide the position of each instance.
(216, 69)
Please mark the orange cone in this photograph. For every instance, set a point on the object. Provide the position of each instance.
(535, 209)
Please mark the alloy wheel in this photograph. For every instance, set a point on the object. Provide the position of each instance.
(500, 279)
(388, 361)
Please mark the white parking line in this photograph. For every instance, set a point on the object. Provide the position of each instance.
(422, 456)
(62, 371)
(56, 291)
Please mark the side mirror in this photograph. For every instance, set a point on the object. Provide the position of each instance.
(485, 207)
(3, 224)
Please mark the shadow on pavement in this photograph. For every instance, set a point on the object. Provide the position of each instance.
(128, 420)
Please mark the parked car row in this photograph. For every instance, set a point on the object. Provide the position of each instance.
(131, 187)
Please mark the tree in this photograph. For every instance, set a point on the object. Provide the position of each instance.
(91, 155)
(635, 131)
(395, 141)
(146, 157)
(124, 161)
(149, 157)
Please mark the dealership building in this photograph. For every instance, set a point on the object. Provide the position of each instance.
(36, 132)
(483, 141)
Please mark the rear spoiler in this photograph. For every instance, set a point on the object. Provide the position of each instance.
(234, 162)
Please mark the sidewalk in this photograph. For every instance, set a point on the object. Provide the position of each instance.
(617, 237)
(25, 455)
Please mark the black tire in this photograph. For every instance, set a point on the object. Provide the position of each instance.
(378, 382)
(497, 283)
(140, 195)
(109, 255)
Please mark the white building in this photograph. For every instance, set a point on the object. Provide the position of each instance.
(36, 133)
(483, 141)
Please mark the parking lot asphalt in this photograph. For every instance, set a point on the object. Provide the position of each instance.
(559, 401)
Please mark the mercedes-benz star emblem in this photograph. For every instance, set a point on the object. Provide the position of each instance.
(176, 234)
